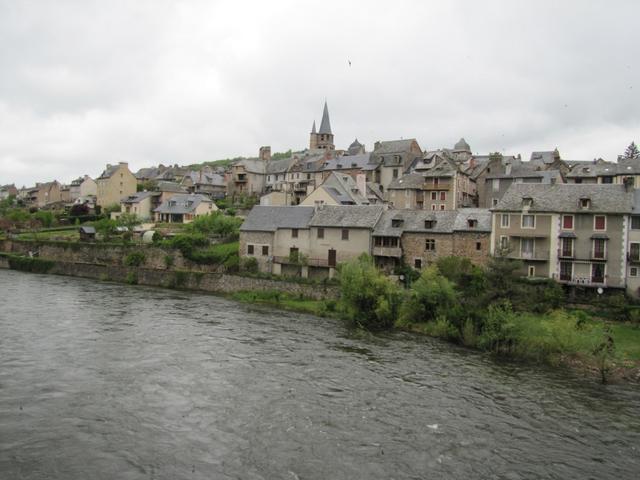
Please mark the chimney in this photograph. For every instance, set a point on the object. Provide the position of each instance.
(361, 182)
(123, 163)
(472, 162)
(265, 153)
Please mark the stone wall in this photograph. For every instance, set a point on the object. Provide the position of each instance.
(258, 240)
(72, 252)
(461, 244)
(188, 280)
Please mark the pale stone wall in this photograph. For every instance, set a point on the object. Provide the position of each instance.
(120, 184)
(258, 240)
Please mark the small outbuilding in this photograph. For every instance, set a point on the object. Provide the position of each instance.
(87, 234)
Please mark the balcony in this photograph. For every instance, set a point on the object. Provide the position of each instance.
(241, 179)
(440, 186)
(590, 281)
(387, 252)
(299, 187)
(541, 255)
(311, 262)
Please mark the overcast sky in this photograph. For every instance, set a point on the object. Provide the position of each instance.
(86, 83)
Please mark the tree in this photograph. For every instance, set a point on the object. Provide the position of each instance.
(432, 296)
(368, 298)
(79, 210)
(632, 151)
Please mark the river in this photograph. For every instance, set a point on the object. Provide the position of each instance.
(106, 381)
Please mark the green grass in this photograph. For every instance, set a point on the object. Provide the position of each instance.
(70, 235)
(627, 338)
(287, 301)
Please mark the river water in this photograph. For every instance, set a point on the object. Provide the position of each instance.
(105, 381)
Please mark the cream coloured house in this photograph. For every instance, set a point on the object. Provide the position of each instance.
(116, 182)
(183, 208)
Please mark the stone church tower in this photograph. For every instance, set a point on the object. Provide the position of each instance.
(322, 139)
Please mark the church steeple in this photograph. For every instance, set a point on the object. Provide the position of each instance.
(323, 139)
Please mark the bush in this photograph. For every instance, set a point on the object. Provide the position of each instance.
(215, 223)
(168, 261)
(30, 264)
(232, 264)
(134, 259)
(431, 296)
(368, 298)
(249, 264)
(498, 332)
(131, 278)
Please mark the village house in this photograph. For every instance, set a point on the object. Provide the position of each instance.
(394, 158)
(575, 234)
(140, 204)
(83, 187)
(116, 182)
(8, 190)
(420, 238)
(307, 241)
(633, 248)
(340, 189)
(43, 194)
(183, 208)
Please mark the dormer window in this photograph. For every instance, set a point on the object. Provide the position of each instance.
(354, 165)
(472, 223)
(585, 203)
(397, 222)
(527, 201)
(429, 224)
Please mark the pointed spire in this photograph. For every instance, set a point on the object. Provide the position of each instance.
(325, 125)
(313, 129)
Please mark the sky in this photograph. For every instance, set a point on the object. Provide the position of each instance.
(84, 83)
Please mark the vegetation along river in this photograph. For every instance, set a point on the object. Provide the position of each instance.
(108, 381)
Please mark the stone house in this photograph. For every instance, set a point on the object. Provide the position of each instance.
(43, 194)
(269, 233)
(83, 187)
(115, 182)
(140, 204)
(394, 158)
(183, 208)
(8, 190)
(422, 237)
(575, 234)
(339, 189)
(407, 192)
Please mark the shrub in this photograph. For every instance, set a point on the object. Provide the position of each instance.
(368, 298)
(249, 264)
(30, 264)
(498, 332)
(168, 261)
(134, 259)
(131, 278)
(431, 296)
(232, 264)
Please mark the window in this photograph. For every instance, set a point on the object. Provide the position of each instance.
(585, 203)
(397, 222)
(249, 249)
(443, 196)
(417, 263)
(442, 206)
(430, 245)
(567, 222)
(504, 242)
(597, 272)
(531, 271)
(294, 233)
(527, 246)
(345, 234)
(607, 179)
(635, 222)
(566, 271)
(599, 222)
(566, 247)
(265, 250)
(495, 184)
(634, 252)
(321, 233)
(478, 246)
(429, 224)
(504, 220)
(528, 221)
(494, 202)
(599, 248)
(633, 272)
(395, 173)
(434, 195)
(527, 201)
(434, 206)
(471, 223)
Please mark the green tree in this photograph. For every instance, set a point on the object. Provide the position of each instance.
(431, 296)
(128, 220)
(368, 298)
(106, 227)
(632, 151)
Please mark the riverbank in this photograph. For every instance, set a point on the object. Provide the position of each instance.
(561, 338)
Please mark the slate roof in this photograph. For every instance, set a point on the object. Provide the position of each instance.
(353, 216)
(565, 197)
(547, 157)
(325, 125)
(252, 165)
(446, 221)
(462, 145)
(137, 197)
(348, 162)
(343, 189)
(394, 146)
(109, 171)
(149, 172)
(268, 219)
(182, 203)
(170, 187)
(410, 181)
(599, 169)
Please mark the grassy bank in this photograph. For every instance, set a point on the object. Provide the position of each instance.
(285, 301)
